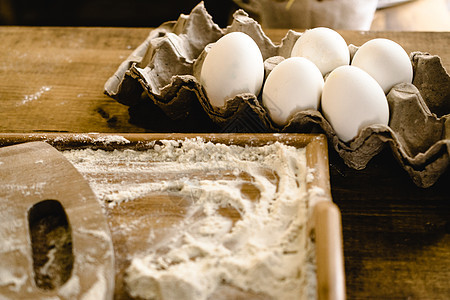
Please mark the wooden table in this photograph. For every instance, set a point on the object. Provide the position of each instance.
(396, 236)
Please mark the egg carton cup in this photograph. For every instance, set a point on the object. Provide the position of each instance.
(165, 69)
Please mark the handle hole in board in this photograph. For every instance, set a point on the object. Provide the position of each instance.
(51, 244)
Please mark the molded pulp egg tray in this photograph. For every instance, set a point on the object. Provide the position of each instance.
(160, 77)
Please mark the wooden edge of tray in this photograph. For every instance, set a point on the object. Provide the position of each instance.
(325, 222)
(138, 141)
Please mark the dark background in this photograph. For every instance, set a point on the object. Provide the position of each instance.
(121, 13)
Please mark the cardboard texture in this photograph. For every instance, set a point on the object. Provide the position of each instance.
(166, 65)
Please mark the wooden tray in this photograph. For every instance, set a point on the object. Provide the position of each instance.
(325, 222)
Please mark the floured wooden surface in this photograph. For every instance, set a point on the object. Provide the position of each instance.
(55, 240)
(206, 221)
(375, 212)
(169, 79)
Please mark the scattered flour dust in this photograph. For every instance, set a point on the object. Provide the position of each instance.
(266, 253)
(35, 96)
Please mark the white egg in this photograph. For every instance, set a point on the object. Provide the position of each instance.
(324, 47)
(386, 61)
(294, 85)
(234, 65)
(352, 100)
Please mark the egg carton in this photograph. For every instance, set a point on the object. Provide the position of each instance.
(158, 81)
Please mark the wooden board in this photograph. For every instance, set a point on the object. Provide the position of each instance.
(160, 211)
(55, 240)
(396, 235)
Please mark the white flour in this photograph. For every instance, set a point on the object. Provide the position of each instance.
(35, 96)
(266, 253)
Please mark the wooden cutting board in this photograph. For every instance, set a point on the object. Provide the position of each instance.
(54, 238)
(146, 213)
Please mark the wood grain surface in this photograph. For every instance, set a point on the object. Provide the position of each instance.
(396, 236)
(157, 213)
(39, 187)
